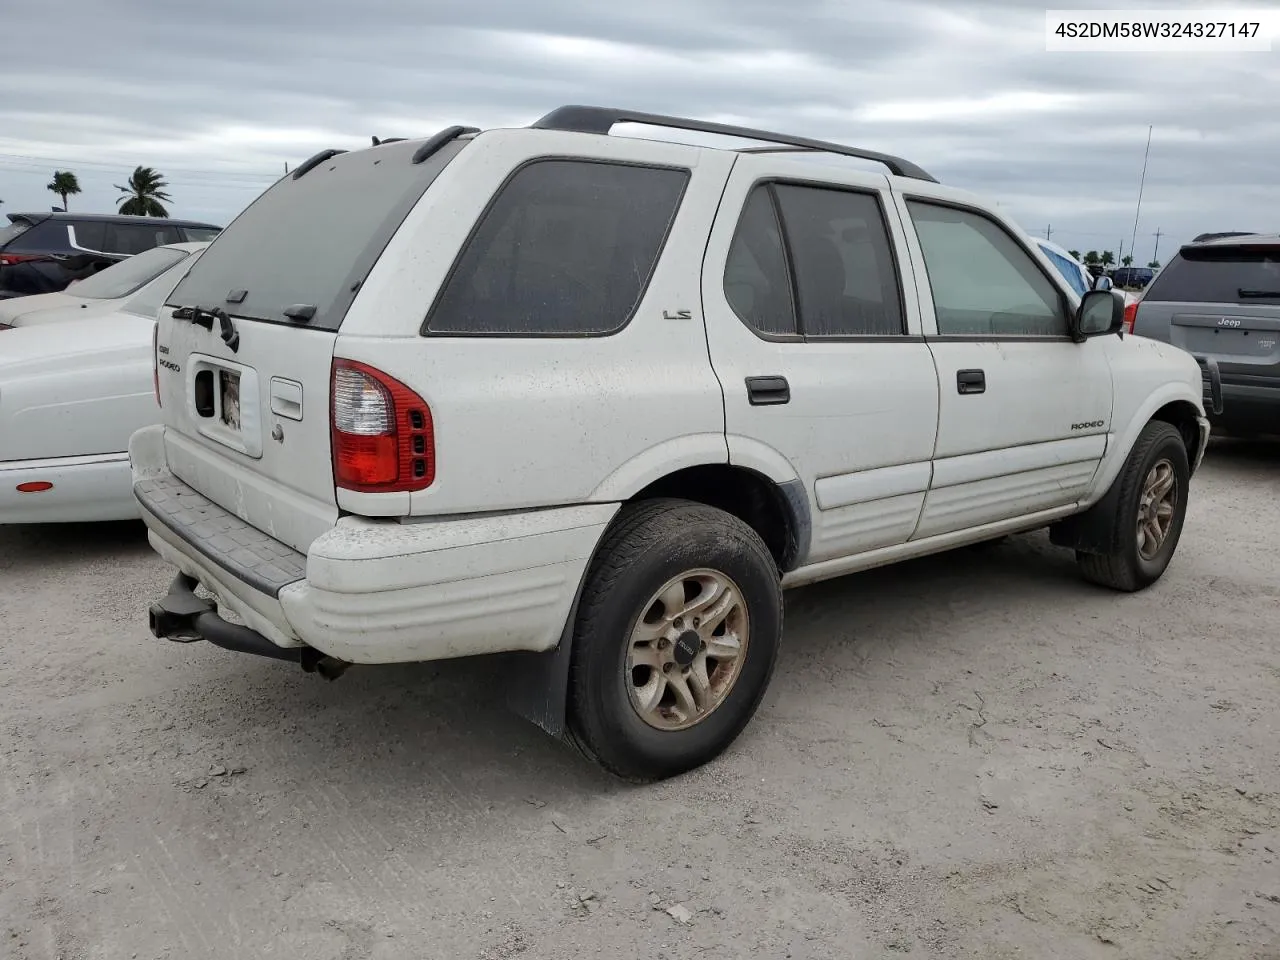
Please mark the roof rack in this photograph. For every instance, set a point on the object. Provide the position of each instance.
(583, 119)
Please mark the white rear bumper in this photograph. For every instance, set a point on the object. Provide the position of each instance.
(380, 591)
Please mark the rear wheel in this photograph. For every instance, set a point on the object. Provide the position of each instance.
(1149, 515)
(675, 641)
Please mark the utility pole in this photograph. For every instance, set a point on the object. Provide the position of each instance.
(1133, 242)
(1156, 255)
(1048, 232)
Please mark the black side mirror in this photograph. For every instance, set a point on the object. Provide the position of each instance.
(1101, 313)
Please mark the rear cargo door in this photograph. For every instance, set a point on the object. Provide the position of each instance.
(245, 341)
(1221, 301)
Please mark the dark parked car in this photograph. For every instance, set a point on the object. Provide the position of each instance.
(44, 252)
(1220, 300)
(1132, 277)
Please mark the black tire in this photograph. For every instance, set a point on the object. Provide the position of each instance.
(1124, 568)
(650, 543)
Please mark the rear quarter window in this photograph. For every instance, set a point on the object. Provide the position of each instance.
(565, 249)
(45, 235)
(1220, 275)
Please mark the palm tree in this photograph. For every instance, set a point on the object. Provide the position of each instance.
(1127, 260)
(1075, 254)
(1154, 264)
(143, 194)
(1107, 258)
(64, 184)
(1091, 257)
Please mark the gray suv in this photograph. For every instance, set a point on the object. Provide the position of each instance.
(1219, 300)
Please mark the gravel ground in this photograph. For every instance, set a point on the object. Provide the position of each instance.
(975, 755)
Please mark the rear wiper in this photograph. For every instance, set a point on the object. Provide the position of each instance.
(204, 318)
(1258, 294)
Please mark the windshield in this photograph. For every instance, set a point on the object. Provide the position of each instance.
(1070, 272)
(1220, 275)
(128, 276)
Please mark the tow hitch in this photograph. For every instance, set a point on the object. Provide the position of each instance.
(184, 617)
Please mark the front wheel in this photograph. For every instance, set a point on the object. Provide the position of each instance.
(675, 640)
(1152, 505)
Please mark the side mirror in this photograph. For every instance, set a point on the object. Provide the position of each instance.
(1101, 312)
(1102, 283)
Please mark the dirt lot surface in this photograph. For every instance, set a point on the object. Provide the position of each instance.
(976, 755)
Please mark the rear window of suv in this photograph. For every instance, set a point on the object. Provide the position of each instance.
(314, 239)
(1220, 274)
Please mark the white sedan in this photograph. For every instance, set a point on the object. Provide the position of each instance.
(73, 388)
(103, 293)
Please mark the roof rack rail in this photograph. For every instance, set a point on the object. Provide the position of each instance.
(435, 142)
(584, 119)
(314, 161)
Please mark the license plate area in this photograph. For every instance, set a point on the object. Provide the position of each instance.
(222, 401)
(229, 406)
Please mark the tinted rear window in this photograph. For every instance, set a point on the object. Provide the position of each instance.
(1220, 275)
(312, 240)
(128, 276)
(566, 249)
(200, 234)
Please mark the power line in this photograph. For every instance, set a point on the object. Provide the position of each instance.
(107, 166)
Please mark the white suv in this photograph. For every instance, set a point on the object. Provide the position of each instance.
(594, 401)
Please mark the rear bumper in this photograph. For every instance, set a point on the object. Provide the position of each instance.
(1251, 407)
(378, 591)
(86, 489)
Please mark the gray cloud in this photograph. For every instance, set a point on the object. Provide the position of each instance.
(220, 96)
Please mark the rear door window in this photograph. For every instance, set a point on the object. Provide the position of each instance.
(88, 235)
(1220, 275)
(566, 249)
(313, 240)
(131, 238)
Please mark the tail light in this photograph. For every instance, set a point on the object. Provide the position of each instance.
(9, 259)
(383, 437)
(155, 360)
(1130, 316)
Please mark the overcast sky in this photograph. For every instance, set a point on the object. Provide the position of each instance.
(219, 96)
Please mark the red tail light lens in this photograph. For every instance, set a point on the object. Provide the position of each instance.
(155, 360)
(1130, 316)
(8, 259)
(383, 436)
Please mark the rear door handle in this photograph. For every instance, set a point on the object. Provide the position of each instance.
(766, 391)
(971, 381)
